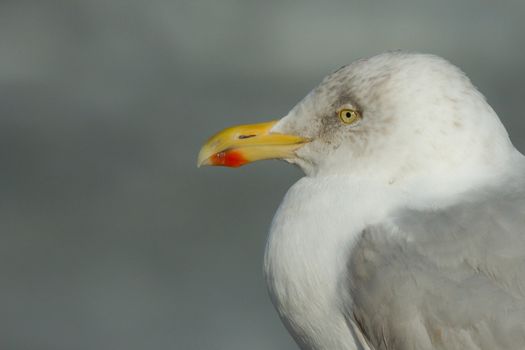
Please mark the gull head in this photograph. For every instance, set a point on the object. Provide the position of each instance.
(394, 117)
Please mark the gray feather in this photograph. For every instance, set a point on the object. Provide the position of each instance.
(451, 278)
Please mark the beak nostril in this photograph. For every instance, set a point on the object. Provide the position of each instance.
(245, 136)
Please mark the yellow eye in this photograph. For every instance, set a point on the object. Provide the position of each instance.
(349, 116)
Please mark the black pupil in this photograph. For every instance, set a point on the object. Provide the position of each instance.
(348, 115)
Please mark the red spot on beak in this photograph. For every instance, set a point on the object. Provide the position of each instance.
(229, 158)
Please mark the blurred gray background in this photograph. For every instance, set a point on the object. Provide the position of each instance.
(110, 237)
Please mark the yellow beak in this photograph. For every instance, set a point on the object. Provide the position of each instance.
(244, 144)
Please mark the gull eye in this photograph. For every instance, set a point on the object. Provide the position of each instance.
(349, 116)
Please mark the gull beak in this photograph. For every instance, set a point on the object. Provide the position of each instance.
(239, 145)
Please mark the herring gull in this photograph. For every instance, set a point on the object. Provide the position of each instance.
(408, 230)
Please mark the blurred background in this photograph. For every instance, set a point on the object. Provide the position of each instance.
(110, 237)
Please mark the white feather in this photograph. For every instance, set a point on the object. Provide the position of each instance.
(379, 246)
